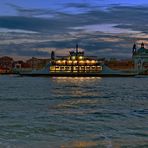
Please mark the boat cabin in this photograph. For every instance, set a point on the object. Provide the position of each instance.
(74, 63)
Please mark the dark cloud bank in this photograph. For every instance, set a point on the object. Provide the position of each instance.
(68, 29)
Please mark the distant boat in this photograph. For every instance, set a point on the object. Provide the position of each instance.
(75, 65)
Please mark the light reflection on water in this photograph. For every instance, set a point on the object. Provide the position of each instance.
(75, 80)
(73, 112)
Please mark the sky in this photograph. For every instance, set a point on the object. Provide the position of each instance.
(104, 28)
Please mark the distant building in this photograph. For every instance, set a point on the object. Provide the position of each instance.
(6, 64)
(120, 64)
(36, 63)
(21, 66)
(4, 70)
(140, 59)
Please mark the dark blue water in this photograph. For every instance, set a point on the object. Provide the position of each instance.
(73, 112)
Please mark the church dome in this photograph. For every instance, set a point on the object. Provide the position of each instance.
(142, 50)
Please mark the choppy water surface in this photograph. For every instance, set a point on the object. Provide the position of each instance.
(73, 112)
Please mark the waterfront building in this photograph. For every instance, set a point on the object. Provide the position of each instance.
(120, 64)
(37, 63)
(140, 59)
(6, 62)
(4, 70)
(21, 66)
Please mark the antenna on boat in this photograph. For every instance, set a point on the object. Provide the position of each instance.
(77, 48)
(142, 45)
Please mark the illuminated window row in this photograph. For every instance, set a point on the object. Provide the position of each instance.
(60, 62)
(75, 68)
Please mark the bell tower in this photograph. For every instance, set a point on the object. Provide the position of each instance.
(142, 45)
(134, 48)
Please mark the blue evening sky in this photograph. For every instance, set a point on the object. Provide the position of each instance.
(106, 28)
(5, 9)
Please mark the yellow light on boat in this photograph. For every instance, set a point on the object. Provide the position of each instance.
(59, 61)
(93, 61)
(81, 62)
(63, 61)
(73, 57)
(87, 61)
(52, 68)
(69, 61)
(75, 62)
(80, 57)
(99, 67)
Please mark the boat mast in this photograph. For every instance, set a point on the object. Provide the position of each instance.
(77, 55)
(77, 49)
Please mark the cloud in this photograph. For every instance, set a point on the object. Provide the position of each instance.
(106, 28)
(78, 5)
(40, 25)
(16, 31)
(103, 33)
(32, 12)
(21, 50)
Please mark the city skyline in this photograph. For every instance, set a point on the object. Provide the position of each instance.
(103, 28)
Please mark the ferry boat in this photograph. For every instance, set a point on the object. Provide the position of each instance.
(76, 65)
